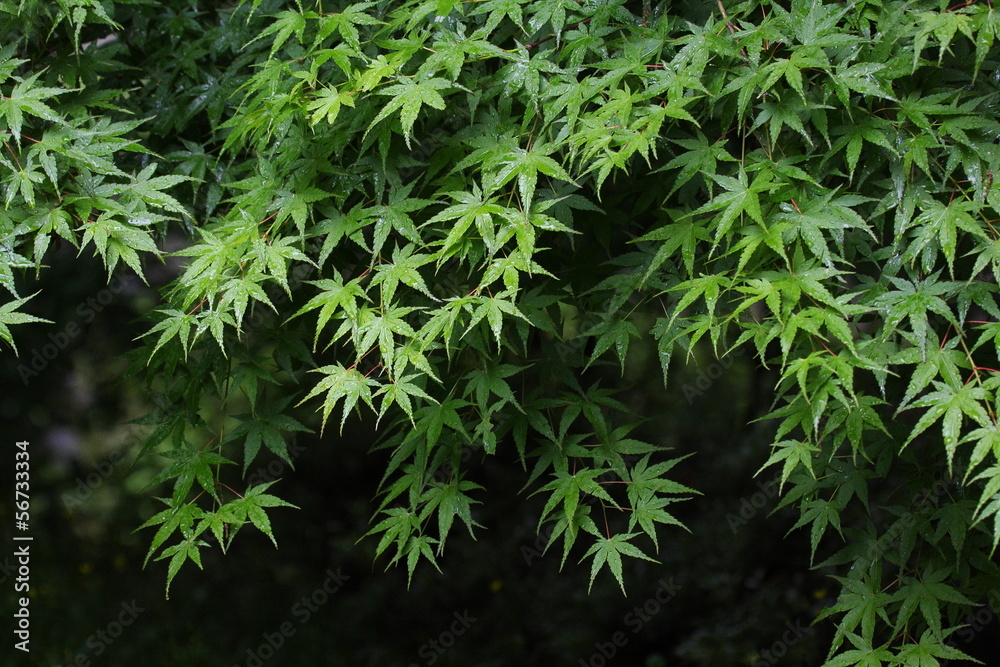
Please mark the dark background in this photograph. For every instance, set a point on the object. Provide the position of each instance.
(740, 591)
(737, 586)
(733, 582)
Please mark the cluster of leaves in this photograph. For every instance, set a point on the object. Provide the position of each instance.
(472, 210)
(60, 161)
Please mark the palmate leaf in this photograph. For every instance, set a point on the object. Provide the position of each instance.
(564, 503)
(336, 296)
(566, 490)
(862, 603)
(569, 529)
(401, 528)
(26, 98)
(861, 78)
(525, 72)
(646, 481)
(862, 655)
(953, 405)
(285, 24)
(266, 427)
(451, 53)
(326, 105)
(401, 392)
(151, 189)
(171, 520)
(819, 220)
(943, 26)
(9, 315)
(402, 269)
(525, 166)
(913, 302)
(987, 441)
(395, 216)
(991, 508)
(484, 384)
(416, 548)
(500, 9)
(943, 225)
(609, 551)
(989, 502)
(239, 290)
(930, 647)
(381, 328)
(683, 235)
(188, 549)
(737, 198)
(345, 23)
(175, 325)
(648, 512)
(471, 208)
(116, 240)
(252, 505)
(698, 157)
(297, 204)
(347, 384)
(222, 523)
(493, 310)
(450, 501)
(190, 464)
(791, 454)
(408, 97)
(926, 594)
(864, 129)
(944, 361)
(821, 514)
(395, 528)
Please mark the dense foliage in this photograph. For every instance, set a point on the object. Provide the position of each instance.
(451, 218)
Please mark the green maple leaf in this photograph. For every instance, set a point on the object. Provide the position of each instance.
(347, 384)
(609, 551)
(408, 97)
(9, 315)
